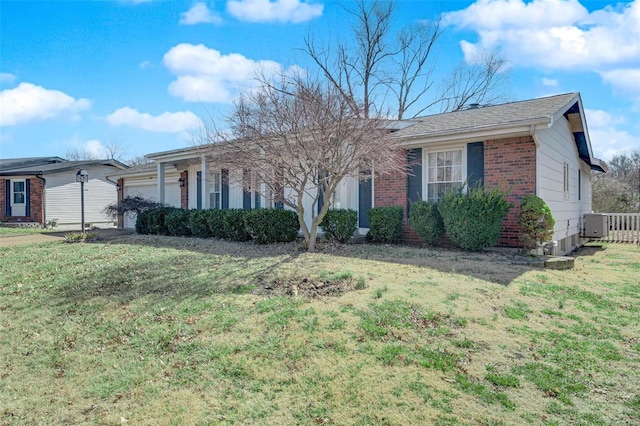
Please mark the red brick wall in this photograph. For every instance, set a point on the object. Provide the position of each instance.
(184, 190)
(508, 164)
(511, 164)
(36, 201)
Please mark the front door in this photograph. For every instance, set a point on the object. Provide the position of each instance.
(18, 198)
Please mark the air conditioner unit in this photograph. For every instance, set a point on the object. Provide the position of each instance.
(596, 225)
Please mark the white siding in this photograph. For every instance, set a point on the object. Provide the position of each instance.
(62, 197)
(235, 189)
(557, 146)
(192, 176)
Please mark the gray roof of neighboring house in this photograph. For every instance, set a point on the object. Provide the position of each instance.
(139, 169)
(42, 165)
(512, 113)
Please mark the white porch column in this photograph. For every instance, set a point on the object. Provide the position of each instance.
(161, 182)
(204, 182)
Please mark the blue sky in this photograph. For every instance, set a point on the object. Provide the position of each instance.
(78, 75)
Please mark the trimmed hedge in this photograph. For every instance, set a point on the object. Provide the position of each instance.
(199, 224)
(385, 224)
(156, 220)
(536, 221)
(177, 222)
(215, 222)
(233, 225)
(426, 220)
(473, 220)
(268, 226)
(142, 222)
(340, 224)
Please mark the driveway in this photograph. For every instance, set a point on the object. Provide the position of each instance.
(15, 240)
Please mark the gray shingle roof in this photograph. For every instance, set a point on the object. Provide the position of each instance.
(512, 113)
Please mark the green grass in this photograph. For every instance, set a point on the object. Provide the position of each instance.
(158, 330)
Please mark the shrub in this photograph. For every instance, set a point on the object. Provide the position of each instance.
(233, 225)
(385, 224)
(130, 205)
(142, 222)
(268, 226)
(177, 222)
(156, 220)
(536, 221)
(340, 224)
(198, 223)
(426, 220)
(473, 220)
(215, 222)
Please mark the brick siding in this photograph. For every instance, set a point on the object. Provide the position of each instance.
(508, 164)
(184, 190)
(36, 202)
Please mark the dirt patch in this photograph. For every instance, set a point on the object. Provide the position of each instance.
(312, 287)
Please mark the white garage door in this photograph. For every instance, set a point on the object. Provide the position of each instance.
(172, 197)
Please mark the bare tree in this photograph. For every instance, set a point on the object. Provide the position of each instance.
(394, 71)
(113, 149)
(299, 138)
(619, 190)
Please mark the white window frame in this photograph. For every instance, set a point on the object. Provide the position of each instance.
(425, 165)
(215, 196)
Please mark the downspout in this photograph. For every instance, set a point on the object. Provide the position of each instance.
(44, 200)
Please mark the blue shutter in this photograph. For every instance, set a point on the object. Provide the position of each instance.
(246, 195)
(475, 164)
(414, 179)
(7, 197)
(27, 190)
(364, 202)
(225, 188)
(199, 190)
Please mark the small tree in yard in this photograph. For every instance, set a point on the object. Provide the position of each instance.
(299, 138)
(131, 206)
(536, 221)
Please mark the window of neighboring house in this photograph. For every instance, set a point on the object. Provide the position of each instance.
(19, 196)
(444, 172)
(215, 197)
(566, 180)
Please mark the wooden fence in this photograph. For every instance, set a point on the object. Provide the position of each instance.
(623, 228)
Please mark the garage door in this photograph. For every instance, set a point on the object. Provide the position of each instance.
(150, 192)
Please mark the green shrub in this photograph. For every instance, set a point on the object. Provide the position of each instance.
(268, 226)
(198, 223)
(536, 221)
(385, 224)
(233, 225)
(156, 220)
(177, 222)
(473, 220)
(215, 222)
(426, 220)
(339, 224)
(142, 222)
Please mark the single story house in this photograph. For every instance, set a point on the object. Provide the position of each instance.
(43, 190)
(539, 146)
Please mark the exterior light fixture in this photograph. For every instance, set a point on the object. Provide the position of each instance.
(82, 176)
(182, 181)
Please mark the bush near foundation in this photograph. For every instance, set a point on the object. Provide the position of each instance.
(426, 220)
(340, 224)
(473, 220)
(385, 224)
(536, 221)
(267, 226)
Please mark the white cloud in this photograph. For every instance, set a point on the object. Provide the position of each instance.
(146, 64)
(206, 75)
(6, 77)
(626, 81)
(167, 122)
(553, 34)
(549, 82)
(29, 102)
(295, 11)
(199, 14)
(607, 139)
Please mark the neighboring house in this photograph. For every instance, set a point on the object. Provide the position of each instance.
(538, 146)
(44, 189)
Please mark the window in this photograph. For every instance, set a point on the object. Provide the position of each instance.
(579, 184)
(215, 199)
(566, 180)
(444, 172)
(18, 192)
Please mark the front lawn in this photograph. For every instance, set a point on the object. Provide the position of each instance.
(160, 330)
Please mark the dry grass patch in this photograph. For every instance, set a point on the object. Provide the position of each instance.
(157, 330)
